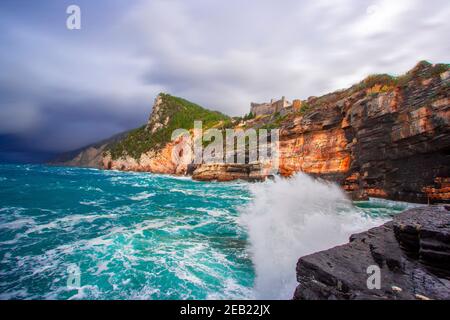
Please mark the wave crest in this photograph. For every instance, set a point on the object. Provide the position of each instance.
(290, 218)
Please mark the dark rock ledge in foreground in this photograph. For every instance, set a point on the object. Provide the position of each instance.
(412, 252)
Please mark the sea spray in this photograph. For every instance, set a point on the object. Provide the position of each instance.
(290, 218)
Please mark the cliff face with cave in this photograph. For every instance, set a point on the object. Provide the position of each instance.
(385, 137)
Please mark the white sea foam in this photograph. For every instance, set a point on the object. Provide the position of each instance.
(153, 224)
(142, 196)
(13, 210)
(68, 222)
(290, 218)
(86, 292)
(101, 266)
(394, 204)
(89, 188)
(17, 294)
(189, 227)
(186, 192)
(93, 203)
(17, 224)
(6, 257)
(211, 212)
(145, 293)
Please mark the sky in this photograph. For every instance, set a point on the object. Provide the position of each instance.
(62, 89)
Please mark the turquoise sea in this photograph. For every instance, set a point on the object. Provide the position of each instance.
(145, 236)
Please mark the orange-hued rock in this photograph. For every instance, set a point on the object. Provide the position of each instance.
(439, 191)
(315, 152)
(389, 140)
(296, 105)
(165, 161)
(377, 193)
(228, 172)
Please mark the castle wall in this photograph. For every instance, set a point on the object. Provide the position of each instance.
(269, 108)
(261, 109)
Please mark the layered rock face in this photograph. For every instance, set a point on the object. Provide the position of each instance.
(387, 140)
(412, 253)
(230, 172)
(393, 144)
(164, 161)
(384, 137)
(90, 156)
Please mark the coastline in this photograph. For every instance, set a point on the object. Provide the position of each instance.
(385, 137)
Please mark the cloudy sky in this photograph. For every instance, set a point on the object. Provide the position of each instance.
(61, 89)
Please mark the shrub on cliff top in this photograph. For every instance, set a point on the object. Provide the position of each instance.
(248, 116)
(379, 79)
(305, 108)
(276, 122)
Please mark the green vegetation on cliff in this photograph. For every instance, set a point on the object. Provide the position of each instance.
(179, 114)
(378, 83)
(423, 70)
(275, 121)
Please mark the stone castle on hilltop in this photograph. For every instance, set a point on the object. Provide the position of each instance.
(282, 106)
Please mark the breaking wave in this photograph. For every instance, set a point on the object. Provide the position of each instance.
(290, 218)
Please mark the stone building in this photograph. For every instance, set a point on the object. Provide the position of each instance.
(261, 108)
(269, 108)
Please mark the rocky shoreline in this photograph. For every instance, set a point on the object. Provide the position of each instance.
(412, 253)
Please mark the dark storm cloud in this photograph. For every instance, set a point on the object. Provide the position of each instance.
(227, 54)
(62, 89)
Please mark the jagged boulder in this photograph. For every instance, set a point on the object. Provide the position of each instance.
(412, 252)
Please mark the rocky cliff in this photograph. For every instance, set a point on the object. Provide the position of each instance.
(90, 156)
(150, 147)
(384, 137)
(411, 252)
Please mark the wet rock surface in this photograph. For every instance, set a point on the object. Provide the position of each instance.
(412, 252)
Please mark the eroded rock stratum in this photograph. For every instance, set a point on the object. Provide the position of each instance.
(385, 137)
(412, 252)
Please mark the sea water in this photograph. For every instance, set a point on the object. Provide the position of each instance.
(145, 236)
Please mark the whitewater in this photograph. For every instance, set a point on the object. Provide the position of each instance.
(147, 236)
